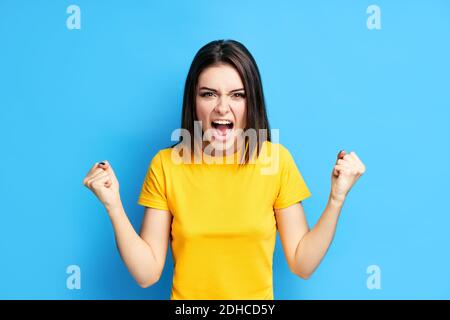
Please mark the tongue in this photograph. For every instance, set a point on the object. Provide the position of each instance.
(222, 128)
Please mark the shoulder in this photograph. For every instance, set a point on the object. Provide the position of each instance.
(274, 158)
(162, 158)
(164, 154)
(276, 150)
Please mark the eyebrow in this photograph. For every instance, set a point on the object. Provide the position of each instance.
(214, 90)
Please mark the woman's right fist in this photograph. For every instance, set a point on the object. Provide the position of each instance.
(102, 181)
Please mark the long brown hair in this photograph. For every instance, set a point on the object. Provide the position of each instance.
(237, 55)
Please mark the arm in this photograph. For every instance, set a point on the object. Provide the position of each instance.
(145, 254)
(304, 249)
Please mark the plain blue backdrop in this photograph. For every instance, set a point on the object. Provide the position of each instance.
(113, 90)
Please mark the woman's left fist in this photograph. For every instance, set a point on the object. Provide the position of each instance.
(346, 172)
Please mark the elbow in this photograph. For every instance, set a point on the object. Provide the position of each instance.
(148, 282)
(302, 274)
(144, 284)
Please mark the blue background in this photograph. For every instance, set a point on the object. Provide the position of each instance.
(113, 90)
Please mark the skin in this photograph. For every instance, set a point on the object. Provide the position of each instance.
(144, 254)
(220, 95)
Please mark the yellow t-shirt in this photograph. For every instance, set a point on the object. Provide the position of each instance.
(224, 228)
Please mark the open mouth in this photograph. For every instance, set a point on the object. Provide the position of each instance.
(222, 125)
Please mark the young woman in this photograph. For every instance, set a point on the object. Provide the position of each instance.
(221, 213)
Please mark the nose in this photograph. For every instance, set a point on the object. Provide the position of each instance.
(222, 106)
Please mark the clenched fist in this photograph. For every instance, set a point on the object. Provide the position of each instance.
(346, 172)
(102, 181)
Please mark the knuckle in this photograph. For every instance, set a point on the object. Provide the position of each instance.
(95, 184)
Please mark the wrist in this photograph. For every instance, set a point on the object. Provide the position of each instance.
(336, 200)
(114, 207)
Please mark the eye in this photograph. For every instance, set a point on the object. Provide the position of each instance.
(207, 94)
(239, 95)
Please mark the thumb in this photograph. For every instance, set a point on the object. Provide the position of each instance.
(340, 155)
(105, 165)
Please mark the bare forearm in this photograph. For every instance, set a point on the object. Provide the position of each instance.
(313, 246)
(136, 253)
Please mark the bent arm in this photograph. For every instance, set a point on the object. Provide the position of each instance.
(304, 249)
(144, 255)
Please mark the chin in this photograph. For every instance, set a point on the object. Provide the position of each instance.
(222, 145)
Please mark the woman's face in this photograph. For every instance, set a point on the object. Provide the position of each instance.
(221, 105)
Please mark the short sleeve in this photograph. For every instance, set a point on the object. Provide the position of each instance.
(153, 192)
(292, 188)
